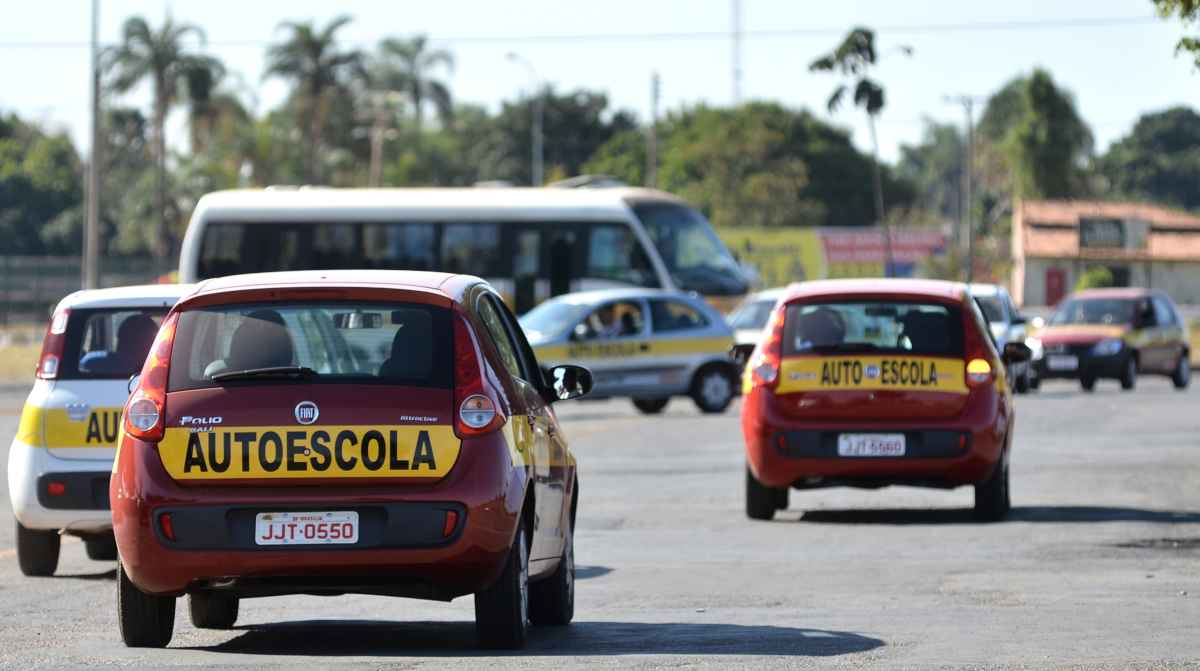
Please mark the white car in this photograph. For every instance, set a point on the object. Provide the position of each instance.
(1007, 325)
(61, 457)
(749, 319)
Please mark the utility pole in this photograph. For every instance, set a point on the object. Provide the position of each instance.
(966, 225)
(91, 227)
(539, 103)
(652, 135)
(885, 230)
(737, 52)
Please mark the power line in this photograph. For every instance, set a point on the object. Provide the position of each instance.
(909, 29)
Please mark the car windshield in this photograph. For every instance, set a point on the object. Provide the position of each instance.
(393, 343)
(1095, 311)
(993, 309)
(108, 344)
(551, 319)
(691, 251)
(752, 315)
(869, 327)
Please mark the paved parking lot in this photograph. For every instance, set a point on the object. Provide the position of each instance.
(1098, 567)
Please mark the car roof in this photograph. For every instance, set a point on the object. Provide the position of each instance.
(881, 287)
(771, 294)
(597, 296)
(316, 202)
(1115, 292)
(450, 285)
(137, 296)
(986, 289)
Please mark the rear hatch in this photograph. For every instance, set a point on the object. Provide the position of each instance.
(298, 392)
(868, 360)
(98, 352)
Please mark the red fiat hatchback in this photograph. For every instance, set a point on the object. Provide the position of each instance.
(869, 383)
(373, 432)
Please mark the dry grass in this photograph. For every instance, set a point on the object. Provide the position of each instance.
(17, 363)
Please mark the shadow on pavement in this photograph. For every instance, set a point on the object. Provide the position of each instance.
(1058, 514)
(586, 572)
(361, 638)
(110, 574)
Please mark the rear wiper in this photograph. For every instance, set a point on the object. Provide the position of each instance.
(266, 373)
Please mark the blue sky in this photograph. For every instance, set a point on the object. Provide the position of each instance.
(1116, 71)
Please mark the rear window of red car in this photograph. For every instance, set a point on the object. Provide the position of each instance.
(339, 342)
(890, 327)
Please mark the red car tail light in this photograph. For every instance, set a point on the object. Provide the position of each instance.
(52, 345)
(764, 363)
(478, 411)
(979, 364)
(147, 406)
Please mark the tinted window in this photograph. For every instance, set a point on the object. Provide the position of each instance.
(1163, 312)
(667, 316)
(614, 253)
(349, 342)
(866, 327)
(753, 315)
(108, 344)
(472, 248)
(1095, 311)
(992, 307)
(495, 328)
(691, 251)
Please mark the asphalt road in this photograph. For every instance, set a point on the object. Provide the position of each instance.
(1098, 567)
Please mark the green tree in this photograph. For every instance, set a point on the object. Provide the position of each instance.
(853, 59)
(175, 71)
(321, 72)
(410, 65)
(1094, 277)
(934, 167)
(1159, 160)
(1188, 12)
(39, 181)
(1049, 145)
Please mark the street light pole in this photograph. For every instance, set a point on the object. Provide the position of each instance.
(539, 104)
(967, 227)
(91, 227)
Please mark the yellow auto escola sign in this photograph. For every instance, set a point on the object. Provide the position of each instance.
(869, 373)
(56, 429)
(269, 452)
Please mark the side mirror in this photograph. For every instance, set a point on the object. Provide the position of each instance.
(134, 381)
(568, 382)
(1016, 352)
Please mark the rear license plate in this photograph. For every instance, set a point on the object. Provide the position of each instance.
(1062, 362)
(321, 528)
(871, 445)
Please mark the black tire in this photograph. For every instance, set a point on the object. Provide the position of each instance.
(782, 496)
(1035, 382)
(212, 610)
(552, 600)
(1129, 374)
(1183, 371)
(1088, 383)
(37, 551)
(101, 548)
(502, 610)
(992, 501)
(713, 388)
(1022, 384)
(761, 501)
(650, 406)
(145, 620)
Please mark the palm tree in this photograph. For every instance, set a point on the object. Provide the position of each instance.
(175, 72)
(312, 60)
(408, 65)
(852, 59)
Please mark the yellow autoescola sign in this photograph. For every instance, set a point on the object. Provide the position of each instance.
(834, 373)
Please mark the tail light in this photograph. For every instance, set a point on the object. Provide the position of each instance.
(765, 361)
(52, 345)
(147, 406)
(979, 359)
(478, 411)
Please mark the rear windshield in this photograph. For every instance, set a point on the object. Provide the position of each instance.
(342, 342)
(930, 329)
(108, 344)
(993, 309)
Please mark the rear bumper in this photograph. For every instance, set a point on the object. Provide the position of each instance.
(783, 452)
(401, 548)
(83, 507)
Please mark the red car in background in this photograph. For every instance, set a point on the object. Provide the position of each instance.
(869, 383)
(374, 432)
